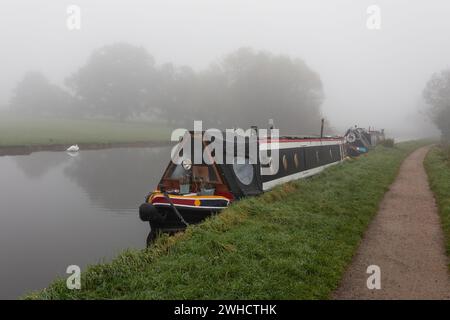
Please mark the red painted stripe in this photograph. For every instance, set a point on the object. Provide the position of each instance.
(301, 140)
(188, 202)
(228, 195)
(178, 201)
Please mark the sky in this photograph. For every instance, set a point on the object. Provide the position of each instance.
(371, 77)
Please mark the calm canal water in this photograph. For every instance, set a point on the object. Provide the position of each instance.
(57, 210)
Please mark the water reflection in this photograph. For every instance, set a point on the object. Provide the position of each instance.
(115, 179)
(118, 180)
(36, 165)
(57, 210)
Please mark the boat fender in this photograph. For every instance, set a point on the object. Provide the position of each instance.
(361, 149)
(147, 212)
(351, 137)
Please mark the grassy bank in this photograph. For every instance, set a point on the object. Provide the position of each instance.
(20, 131)
(437, 164)
(291, 243)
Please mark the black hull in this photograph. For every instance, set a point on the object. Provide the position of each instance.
(166, 220)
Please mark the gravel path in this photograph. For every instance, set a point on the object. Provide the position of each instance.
(405, 240)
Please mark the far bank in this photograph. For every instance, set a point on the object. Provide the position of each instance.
(24, 135)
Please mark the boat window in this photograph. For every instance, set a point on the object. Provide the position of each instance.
(296, 162)
(285, 164)
(206, 173)
(176, 172)
(244, 172)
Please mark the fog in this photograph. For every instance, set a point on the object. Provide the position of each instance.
(369, 77)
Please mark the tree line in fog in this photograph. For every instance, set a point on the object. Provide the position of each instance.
(437, 96)
(246, 87)
(123, 81)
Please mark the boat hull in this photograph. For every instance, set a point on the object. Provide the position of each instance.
(163, 211)
(165, 219)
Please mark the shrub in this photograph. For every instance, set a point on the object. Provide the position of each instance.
(388, 143)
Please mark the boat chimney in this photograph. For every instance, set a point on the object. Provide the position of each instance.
(270, 124)
(321, 128)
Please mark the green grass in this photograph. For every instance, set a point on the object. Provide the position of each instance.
(437, 165)
(293, 242)
(388, 143)
(20, 131)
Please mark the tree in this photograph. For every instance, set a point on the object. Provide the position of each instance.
(117, 81)
(35, 95)
(251, 87)
(437, 96)
(177, 94)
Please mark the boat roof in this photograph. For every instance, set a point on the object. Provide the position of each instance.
(287, 137)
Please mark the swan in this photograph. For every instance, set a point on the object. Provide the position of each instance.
(74, 148)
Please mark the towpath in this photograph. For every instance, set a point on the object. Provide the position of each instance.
(405, 241)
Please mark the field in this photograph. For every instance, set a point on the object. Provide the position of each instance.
(437, 164)
(20, 131)
(293, 242)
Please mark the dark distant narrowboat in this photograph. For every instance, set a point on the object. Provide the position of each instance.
(187, 192)
(360, 140)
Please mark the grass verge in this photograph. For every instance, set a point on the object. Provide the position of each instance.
(437, 165)
(293, 242)
(22, 131)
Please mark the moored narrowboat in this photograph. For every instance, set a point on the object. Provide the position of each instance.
(189, 191)
(360, 140)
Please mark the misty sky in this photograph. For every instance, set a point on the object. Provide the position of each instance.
(370, 77)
